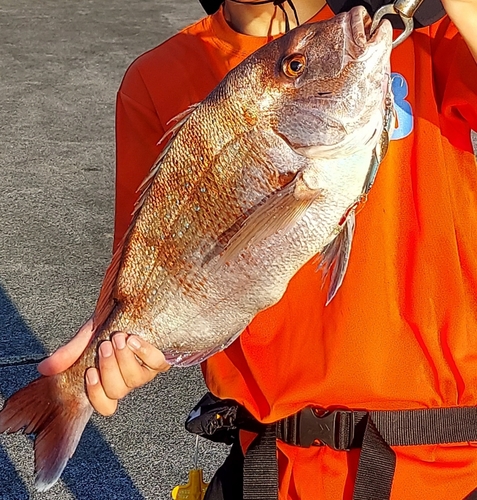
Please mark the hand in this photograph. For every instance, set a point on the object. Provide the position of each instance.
(125, 363)
(463, 14)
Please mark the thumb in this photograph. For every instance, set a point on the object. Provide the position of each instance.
(66, 355)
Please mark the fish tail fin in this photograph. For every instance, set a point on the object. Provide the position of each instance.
(56, 417)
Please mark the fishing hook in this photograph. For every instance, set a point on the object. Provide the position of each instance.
(405, 9)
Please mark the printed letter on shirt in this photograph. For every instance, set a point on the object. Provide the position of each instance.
(405, 120)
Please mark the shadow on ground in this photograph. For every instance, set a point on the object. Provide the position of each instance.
(94, 456)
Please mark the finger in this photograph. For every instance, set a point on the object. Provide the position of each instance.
(66, 355)
(148, 354)
(101, 403)
(111, 378)
(134, 373)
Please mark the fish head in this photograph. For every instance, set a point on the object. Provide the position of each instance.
(326, 92)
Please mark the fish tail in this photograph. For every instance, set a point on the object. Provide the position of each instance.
(56, 416)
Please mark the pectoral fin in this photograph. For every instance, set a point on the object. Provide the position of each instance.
(279, 212)
(335, 256)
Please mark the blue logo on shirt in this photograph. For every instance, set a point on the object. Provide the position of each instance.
(405, 120)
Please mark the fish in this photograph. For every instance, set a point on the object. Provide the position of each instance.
(254, 181)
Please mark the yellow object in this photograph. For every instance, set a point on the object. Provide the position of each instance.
(193, 490)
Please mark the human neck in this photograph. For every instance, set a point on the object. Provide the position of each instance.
(267, 19)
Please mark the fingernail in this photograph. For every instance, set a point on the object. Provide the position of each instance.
(134, 343)
(119, 341)
(92, 377)
(106, 349)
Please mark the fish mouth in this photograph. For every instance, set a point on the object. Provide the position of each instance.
(359, 38)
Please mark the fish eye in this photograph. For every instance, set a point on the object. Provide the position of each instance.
(294, 65)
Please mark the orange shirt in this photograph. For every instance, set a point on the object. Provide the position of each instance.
(402, 331)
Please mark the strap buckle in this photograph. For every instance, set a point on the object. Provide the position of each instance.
(313, 427)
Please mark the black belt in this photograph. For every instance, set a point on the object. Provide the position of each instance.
(375, 432)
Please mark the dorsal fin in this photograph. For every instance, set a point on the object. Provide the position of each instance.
(106, 300)
(179, 120)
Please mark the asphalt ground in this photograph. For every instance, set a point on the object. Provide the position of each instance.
(60, 66)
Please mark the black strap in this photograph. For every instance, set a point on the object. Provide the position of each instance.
(384, 429)
(377, 462)
(375, 432)
(260, 468)
(429, 426)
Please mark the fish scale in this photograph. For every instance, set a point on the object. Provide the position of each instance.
(254, 182)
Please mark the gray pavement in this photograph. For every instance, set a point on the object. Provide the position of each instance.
(60, 66)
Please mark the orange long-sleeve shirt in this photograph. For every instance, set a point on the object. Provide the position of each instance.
(402, 331)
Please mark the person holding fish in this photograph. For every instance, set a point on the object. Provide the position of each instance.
(387, 362)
